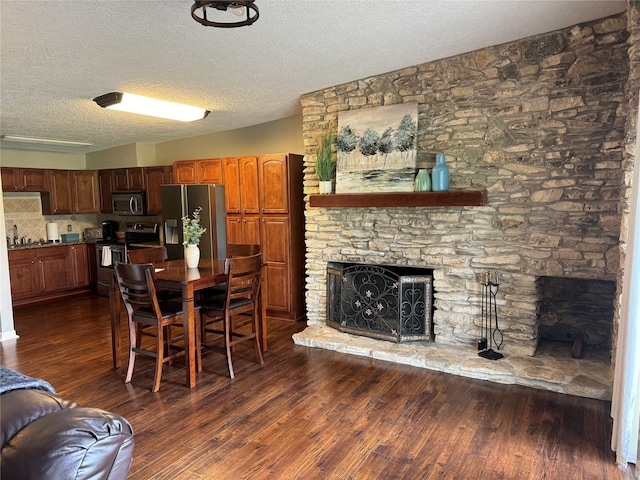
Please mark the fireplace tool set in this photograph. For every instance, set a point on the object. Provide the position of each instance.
(492, 335)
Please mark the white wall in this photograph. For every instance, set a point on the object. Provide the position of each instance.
(7, 331)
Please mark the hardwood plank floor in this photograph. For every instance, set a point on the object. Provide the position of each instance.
(312, 414)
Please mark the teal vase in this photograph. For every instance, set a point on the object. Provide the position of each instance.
(440, 175)
(423, 181)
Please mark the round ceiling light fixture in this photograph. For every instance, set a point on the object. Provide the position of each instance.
(213, 13)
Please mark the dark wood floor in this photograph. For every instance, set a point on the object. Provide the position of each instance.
(313, 414)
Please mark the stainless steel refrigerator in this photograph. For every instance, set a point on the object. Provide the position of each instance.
(181, 200)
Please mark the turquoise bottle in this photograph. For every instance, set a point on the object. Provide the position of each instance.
(423, 181)
(440, 175)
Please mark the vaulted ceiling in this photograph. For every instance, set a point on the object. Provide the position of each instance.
(57, 55)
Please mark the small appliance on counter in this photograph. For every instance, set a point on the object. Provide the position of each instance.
(93, 234)
(109, 229)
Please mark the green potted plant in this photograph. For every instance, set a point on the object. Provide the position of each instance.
(191, 233)
(325, 166)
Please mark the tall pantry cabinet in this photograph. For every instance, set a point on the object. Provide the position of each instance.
(264, 205)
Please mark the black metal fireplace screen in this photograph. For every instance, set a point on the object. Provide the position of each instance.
(385, 302)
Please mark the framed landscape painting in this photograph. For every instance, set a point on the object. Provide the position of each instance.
(377, 149)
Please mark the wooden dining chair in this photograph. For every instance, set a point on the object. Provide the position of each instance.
(242, 249)
(149, 316)
(148, 255)
(242, 297)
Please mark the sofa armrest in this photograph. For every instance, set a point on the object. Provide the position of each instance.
(65, 443)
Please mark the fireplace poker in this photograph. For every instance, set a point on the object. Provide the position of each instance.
(489, 315)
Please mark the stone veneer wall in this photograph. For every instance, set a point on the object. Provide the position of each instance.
(539, 123)
(632, 93)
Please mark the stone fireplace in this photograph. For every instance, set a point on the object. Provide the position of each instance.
(539, 124)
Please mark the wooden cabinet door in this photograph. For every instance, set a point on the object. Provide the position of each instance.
(185, 172)
(106, 187)
(54, 267)
(80, 265)
(154, 178)
(86, 193)
(10, 179)
(33, 180)
(23, 273)
(24, 179)
(210, 170)
(251, 230)
(135, 178)
(231, 174)
(249, 197)
(273, 184)
(275, 254)
(234, 229)
(59, 198)
(120, 179)
(92, 264)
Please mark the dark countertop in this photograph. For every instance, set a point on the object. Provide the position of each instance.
(29, 246)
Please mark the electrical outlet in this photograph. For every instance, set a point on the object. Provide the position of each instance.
(68, 228)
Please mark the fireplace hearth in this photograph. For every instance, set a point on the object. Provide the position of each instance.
(384, 302)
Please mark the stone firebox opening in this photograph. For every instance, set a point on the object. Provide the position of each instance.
(576, 312)
(380, 301)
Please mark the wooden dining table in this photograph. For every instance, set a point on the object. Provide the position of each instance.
(174, 275)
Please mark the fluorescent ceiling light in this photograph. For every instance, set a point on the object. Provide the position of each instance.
(128, 102)
(43, 141)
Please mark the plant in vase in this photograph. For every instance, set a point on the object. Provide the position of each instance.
(191, 233)
(325, 166)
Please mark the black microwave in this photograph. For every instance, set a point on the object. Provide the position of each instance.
(128, 203)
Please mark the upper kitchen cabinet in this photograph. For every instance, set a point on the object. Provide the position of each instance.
(105, 186)
(185, 172)
(71, 191)
(128, 179)
(241, 185)
(210, 171)
(85, 194)
(58, 200)
(24, 179)
(154, 178)
(276, 180)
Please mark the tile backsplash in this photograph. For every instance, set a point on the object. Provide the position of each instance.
(25, 211)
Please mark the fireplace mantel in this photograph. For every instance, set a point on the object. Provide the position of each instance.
(452, 198)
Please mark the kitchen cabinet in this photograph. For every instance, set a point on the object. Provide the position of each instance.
(210, 171)
(42, 273)
(92, 265)
(241, 185)
(154, 178)
(53, 268)
(23, 274)
(79, 265)
(274, 174)
(24, 179)
(128, 179)
(186, 172)
(71, 191)
(264, 203)
(85, 191)
(243, 229)
(105, 187)
(57, 201)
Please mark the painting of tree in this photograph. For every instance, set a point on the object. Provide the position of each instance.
(377, 149)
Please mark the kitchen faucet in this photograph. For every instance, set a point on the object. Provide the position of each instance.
(15, 234)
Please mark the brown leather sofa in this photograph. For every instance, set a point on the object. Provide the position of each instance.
(47, 437)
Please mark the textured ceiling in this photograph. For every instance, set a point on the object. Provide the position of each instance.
(57, 55)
